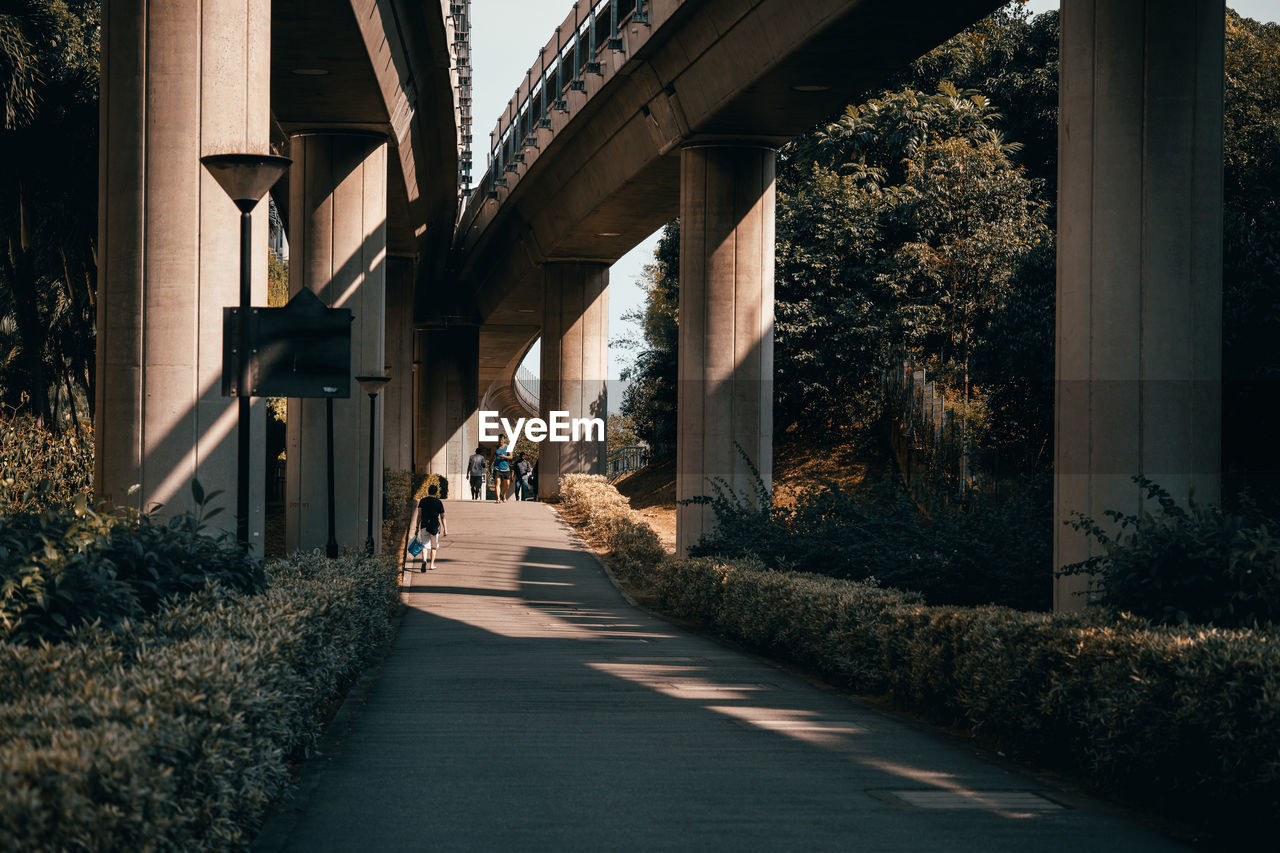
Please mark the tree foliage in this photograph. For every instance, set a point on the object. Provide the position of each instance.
(619, 432)
(1200, 565)
(904, 225)
(48, 204)
(1012, 58)
(1251, 250)
(649, 401)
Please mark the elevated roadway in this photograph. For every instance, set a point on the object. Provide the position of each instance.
(636, 111)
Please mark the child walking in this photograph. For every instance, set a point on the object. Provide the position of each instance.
(431, 520)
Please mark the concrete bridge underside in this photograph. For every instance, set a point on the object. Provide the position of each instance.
(681, 116)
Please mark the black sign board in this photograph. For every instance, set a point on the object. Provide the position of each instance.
(300, 350)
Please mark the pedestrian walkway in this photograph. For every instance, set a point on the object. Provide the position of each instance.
(525, 706)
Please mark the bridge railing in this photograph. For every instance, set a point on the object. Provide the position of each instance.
(526, 388)
(563, 64)
(625, 460)
(459, 27)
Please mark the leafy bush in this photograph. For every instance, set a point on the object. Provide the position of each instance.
(398, 488)
(1188, 718)
(611, 522)
(40, 468)
(63, 567)
(172, 733)
(1201, 564)
(440, 481)
(994, 548)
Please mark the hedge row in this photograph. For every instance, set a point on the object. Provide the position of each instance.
(1184, 716)
(173, 733)
(611, 522)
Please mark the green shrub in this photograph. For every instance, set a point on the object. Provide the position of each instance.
(610, 521)
(1197, 565)
(397, 489)
(63, 567)
(1186, 718)
(173, 733)
(440, 481)
(41, 469)
(1181, 717)
(992, 548)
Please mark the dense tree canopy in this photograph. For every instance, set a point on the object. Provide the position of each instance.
(48, 204)
(904, 226)
(649, 401)
(922, 219)
(1251, 251)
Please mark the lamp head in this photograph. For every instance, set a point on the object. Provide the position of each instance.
(372, 384)
(246, 177)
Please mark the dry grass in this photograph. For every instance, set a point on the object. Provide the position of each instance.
(798, 466)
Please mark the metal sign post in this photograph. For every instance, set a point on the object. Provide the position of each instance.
(300, 350)
(246, 179)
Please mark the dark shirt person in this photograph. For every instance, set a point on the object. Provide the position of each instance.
(524, 472)
(431, 522)
(475, 472)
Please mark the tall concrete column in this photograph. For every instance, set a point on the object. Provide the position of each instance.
(725, 393)
(574, 368)
(1139, 261)
(448, 401)
(338, 240)
(397, 397)
(180, 80)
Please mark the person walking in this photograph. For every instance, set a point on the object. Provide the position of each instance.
(524, 471)
(431, 520)
(475, 472)
(502, 471)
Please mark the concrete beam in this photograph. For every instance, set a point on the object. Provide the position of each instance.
(398, 396)
(447, 404)
(180, 80)
(1139, 261)
(575, 364)
(337, 234)
(725, 394)
(607, 173)
(384, 66)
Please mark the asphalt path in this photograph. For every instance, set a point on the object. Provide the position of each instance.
(525, 705)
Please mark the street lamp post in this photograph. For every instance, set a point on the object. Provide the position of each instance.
(331, 544)
(372, 385)
(246, 179)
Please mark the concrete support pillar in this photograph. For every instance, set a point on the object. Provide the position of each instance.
(574, 371)
(179, 80)
(338, 239)
(725, 394)
(397, 397)
(448, 400)
(1139, 261)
